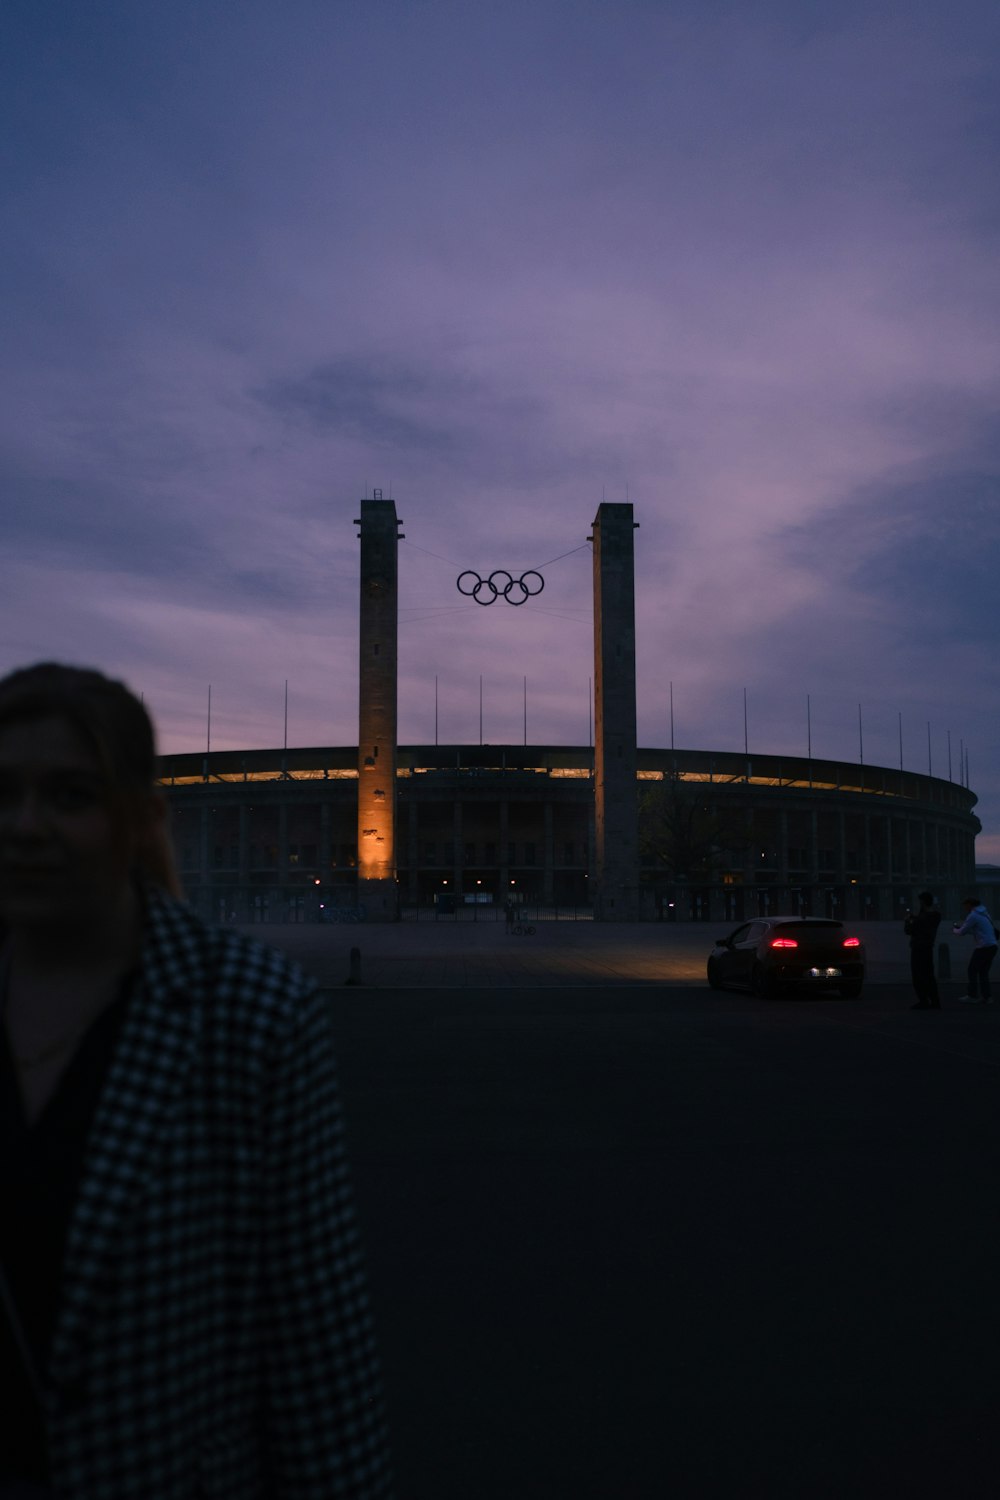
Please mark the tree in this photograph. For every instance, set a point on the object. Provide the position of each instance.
(687, 832)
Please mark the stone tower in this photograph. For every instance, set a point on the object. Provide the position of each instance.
(615, 764)
(377, 888)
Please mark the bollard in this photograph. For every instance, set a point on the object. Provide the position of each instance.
(944, 961)
(354, 974)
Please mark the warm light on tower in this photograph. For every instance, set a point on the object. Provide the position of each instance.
(377, 708)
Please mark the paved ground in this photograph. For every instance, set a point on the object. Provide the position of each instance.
(442, 955)
(643, 1240)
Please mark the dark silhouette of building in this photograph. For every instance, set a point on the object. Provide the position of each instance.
(298, 834)
(257, 829)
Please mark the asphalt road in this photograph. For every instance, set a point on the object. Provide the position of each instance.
(656, 1241)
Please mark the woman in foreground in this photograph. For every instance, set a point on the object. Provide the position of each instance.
(182, 1300)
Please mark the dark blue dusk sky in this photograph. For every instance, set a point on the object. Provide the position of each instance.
(738, 262)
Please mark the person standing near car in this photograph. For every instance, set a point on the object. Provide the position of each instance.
(921, 928)
(979, 925)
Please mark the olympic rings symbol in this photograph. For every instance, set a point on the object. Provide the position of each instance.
(501, 584)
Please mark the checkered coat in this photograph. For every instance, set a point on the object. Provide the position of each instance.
(213, 1337)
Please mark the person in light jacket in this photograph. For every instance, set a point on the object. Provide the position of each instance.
(978, 925)
(184, 1309)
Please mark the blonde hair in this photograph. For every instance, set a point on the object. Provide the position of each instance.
(116, 725)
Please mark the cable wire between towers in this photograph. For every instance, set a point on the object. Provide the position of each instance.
(538, 566)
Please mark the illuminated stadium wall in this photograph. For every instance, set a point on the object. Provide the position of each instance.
(271, 835)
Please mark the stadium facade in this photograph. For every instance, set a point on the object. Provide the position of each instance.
(613, 831)
(272, 834)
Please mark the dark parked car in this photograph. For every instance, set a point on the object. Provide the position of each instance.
(777, 953)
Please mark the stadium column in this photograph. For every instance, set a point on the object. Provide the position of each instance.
(244, 854)
(377, 888)
(548, 854)
(204, 866)
(504, 850)
(412, 855)
(458, 847)
(325, 842)
(615, 758)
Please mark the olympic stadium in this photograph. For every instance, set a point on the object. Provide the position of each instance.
(256, 830)
(610, 831)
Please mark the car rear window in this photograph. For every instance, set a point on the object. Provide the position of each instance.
(805, 933)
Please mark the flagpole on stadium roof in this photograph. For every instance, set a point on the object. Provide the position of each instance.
(809, 737)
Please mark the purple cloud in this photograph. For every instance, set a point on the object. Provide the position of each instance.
(505, 261)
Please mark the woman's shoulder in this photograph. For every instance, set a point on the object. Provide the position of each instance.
(218, 961)
(257, 1016)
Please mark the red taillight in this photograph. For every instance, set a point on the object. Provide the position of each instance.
(784, 943)
(852, 942)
